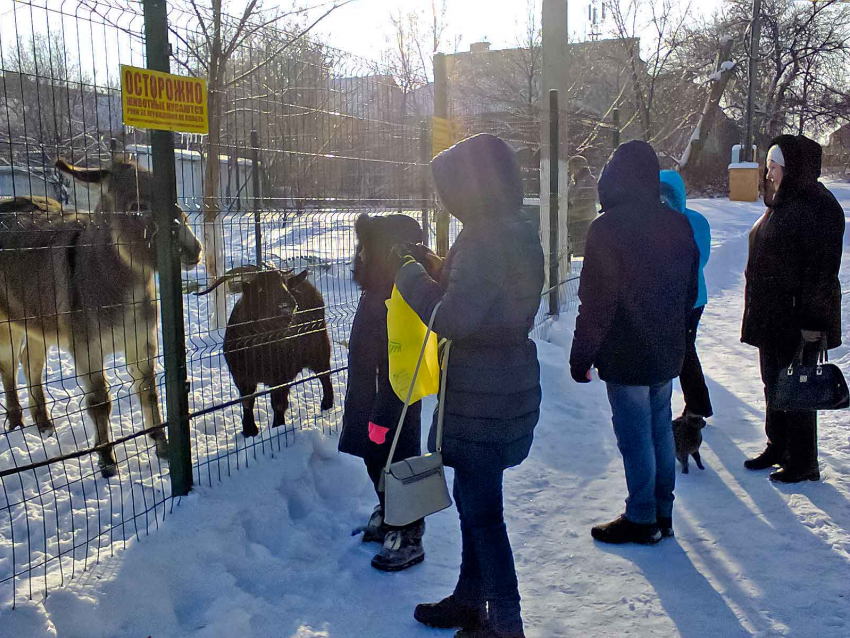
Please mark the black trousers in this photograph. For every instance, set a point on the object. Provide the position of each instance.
(692, 379)
(792, 436)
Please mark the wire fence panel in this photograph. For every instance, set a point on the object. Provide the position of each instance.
(303, 139)
(78, 330)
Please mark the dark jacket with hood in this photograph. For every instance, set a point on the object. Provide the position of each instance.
(794, 257)
(639, 278)
(490, 288)
(369, 395)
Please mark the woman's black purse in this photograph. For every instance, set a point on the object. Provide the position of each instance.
(819, 386)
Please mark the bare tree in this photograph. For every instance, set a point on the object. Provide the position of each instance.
(210, 48)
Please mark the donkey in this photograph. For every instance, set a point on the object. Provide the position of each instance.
(84, 282)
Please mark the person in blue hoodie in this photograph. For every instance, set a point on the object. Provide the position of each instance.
(697, 400)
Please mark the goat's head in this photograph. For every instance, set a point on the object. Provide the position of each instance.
(266, 294)
(127, 203)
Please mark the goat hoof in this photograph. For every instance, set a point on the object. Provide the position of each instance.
(15, 426)
(685, 470)
(327, 403)
(108, 471)
(46, 428)
(251, 432)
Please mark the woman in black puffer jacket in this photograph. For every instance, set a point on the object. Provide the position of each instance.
(490, 291)
(793, 293)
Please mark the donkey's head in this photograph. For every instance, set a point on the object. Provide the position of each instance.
(127, 203)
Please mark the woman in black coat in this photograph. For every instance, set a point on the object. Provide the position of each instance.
(372, 409)
(490, 291)
(793, 294)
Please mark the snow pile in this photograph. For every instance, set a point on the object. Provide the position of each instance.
(268, 551)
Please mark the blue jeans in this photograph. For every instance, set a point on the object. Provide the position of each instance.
(487, 572)
(643, 418)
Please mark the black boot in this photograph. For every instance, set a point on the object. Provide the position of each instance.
(622, 530)
(486, 632)
(402, 548)
(375, 529)
(792, 474)
(449, 613)
(766, 459)
(665, 526)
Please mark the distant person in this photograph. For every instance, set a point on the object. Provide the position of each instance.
(372, 409)
(490, 291)
(793, 294)
(697, 400)
(637, 290)
(582, 203)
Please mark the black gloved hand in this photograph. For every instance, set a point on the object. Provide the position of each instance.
(580, 375)
(399, 256)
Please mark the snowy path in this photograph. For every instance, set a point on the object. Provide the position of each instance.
(267, 553)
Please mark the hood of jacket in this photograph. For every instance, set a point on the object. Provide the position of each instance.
(673, 190)
(478, 178)
(803, 157)
(631, 175)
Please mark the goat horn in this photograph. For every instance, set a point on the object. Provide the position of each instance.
(230, 274)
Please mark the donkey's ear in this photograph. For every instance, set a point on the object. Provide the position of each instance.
(297, 280)
(88, 175)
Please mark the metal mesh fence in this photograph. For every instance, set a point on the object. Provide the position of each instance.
(304, 138)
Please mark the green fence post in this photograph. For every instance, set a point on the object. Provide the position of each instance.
(554, 170)
(168, 265)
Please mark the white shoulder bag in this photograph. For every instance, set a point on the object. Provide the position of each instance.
(416, 487)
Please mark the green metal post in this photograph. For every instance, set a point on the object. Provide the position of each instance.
(171, 294)
(258, 197)
(554, 169)
(425, 159)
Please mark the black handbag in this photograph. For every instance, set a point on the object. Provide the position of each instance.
(819, 386)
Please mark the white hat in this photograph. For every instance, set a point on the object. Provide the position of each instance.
(775, 155)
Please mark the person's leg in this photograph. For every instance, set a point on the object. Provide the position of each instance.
(469, 587)
(697, 400)
(632, 418)
(775, 426)
(478, 489)
(664, 448)
(800, 458)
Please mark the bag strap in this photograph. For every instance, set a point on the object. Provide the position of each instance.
(410, 390)
(442, 404)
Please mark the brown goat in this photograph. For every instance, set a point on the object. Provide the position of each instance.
(84, 282)
(276, 329)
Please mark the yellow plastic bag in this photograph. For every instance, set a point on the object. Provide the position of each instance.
(405, 336)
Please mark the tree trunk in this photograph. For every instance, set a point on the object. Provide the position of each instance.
(690, 158)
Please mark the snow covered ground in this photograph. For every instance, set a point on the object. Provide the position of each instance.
(267, 552)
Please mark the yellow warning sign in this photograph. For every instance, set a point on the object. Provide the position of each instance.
(444, 133)
(162, 101)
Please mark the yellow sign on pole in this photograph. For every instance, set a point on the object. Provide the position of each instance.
(162, 101)
(444, 133)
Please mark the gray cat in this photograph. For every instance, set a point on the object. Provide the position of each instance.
(687, 435)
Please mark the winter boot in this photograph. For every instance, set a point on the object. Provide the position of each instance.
(375, 529)
(622, 530)
(486, 632)
(766, 459)
(402, 548)
(450, 612)
(796, 475)
(665, 526)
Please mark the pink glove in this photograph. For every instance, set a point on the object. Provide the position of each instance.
(377, 434)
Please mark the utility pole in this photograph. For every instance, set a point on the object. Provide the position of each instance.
(755, 35)
(555, 76)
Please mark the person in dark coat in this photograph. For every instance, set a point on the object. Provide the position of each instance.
(637, 290)
(372, 409)
(490, 291)
(792, 294)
